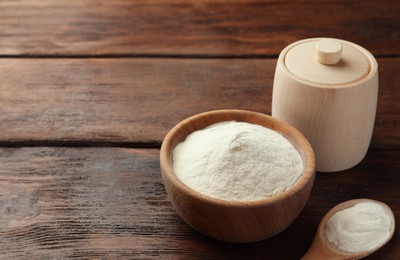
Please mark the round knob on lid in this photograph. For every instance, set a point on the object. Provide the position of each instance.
(328, 51)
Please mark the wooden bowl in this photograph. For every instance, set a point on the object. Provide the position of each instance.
(237, 221)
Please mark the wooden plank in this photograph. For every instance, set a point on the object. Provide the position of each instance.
(110, 202)
(176, 27)
(138, 101)
(122, 100)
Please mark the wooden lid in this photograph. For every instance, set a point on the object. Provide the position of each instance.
(327, 61)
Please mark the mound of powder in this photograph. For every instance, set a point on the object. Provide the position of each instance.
(365, 226)
(237, 161)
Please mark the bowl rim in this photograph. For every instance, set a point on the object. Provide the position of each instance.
(168, 172)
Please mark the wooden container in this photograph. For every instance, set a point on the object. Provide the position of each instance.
(237, 221)
(328, 88)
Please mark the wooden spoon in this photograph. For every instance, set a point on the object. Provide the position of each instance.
(322, 248)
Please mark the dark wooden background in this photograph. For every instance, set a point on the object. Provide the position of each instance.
(88, 90)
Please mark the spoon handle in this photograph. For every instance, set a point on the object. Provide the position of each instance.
(318, 251)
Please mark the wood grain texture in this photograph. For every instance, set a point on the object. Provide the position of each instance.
(122, 100)
(139, 100)
(176, 27)
(109, 203)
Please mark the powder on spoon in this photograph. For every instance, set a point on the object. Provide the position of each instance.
(237, 161)
(363, 227)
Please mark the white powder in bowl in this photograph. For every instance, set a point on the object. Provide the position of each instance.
(365, 226)
(237, 161)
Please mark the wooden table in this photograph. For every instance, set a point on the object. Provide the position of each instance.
(89, 89)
